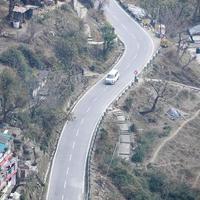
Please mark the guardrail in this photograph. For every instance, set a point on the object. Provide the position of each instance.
(87, 195)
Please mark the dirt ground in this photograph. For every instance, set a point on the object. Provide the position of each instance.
(180, 157)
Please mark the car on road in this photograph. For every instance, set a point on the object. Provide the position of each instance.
(112, 77)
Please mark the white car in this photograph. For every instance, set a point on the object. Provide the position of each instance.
(112, 77)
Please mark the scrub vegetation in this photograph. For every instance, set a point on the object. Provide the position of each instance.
(44, 67)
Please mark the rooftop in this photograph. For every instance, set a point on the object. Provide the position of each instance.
(23, 9)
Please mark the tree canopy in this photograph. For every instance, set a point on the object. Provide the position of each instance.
(13, 94)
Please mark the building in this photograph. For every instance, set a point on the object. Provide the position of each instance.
(8, 164)
(20, 13)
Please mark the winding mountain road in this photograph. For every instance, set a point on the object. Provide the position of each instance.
(68, 168)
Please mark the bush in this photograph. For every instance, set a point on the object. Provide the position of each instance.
(46, 118)
(139, 154)
(65, 7)
(15, 59)
(128, 104)
(133, 128)
(144, 143)
(32, 59)
(166, 130)
(156, 182)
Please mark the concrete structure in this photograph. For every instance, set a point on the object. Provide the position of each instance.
(124, 149)
(125, 139)
(121, 119)
(124, 127)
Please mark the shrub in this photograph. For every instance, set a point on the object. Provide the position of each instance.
(156, 182)
(128, 104)
(33, 59)
(133, 128)
(65, 7)
(15, 59)
(139, 154)
(144, 143)
(166, 130)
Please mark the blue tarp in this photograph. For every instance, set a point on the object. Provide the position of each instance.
(2, 147)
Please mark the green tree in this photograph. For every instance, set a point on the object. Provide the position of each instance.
(15, 59)
(70, 49)
(12, 93)
(109, 36)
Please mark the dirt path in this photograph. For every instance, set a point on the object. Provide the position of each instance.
(162, 144)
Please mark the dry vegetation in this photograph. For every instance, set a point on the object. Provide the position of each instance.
(180, 157)
(52, 45)
(164, 146)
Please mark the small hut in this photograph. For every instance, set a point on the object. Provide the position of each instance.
(22, 13)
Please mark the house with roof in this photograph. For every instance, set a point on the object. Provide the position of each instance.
(22, 13)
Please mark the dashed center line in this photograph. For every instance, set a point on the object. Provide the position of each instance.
(74, 143)
(77, 132)
(67, 171)
(70, 157)
(62, 197)
(65, 184)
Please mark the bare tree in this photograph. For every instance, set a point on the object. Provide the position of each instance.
(11, 7)
(160, 90)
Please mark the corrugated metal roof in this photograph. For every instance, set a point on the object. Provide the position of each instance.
(20, 9)
(23, 9)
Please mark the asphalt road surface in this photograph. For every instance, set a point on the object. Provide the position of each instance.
(68, 169)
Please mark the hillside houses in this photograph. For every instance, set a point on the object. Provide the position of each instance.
(8, 164)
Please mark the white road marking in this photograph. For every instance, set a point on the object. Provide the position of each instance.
(62, 197)
(73, 145)
(70, 157)
(67, 171)
(77, 132)
(65, 184)
(82, 121)
(88, 110)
